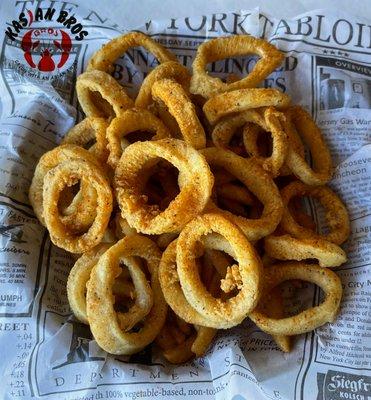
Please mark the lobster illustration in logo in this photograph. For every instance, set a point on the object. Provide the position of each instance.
(31, 43)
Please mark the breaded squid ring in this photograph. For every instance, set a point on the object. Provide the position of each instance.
(80, 274)
(163, 113)
(195, 187)
(286, 247)
(234, 192)
(113, 101)
(225, 129)
(309, 319)
(241, 100)
(258, 182)
(312, 136)
(104, 58)
(182, 109)
(80, 212)
(87, 131)
(336, 215)
(274, 308)
(69, 173)
(100, 299)
(232, 46)
(230, 312)
(269, 120)
(132, 120)
(169, 70)
(174, 296)
(203, 339)
(77, 279)
(49, 161)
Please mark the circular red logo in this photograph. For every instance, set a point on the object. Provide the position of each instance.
(46, 49)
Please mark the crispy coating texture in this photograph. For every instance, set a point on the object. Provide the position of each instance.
(100, 95)
(232, 46)
(312, 317)
(286, 247)
(241, 100)
(167, 70)
(77, 279)
(102, 316)
(173, 293)
(336, 215)
(104, 58)
(208, 168)
(258, 182)
(87, 131)
(172, 94)
(129, 121)
(312, 136)
(78, 216)
(195, 187)
(67, 174)
(232, 311)
(268, 119)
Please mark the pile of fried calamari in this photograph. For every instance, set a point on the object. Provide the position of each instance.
(186, 206)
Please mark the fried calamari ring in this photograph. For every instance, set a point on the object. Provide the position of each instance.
(336, 215)
(100, 299)
(286, 247)
(232, 46)
(135, 286)
(100, 95)
(49, 161)
(203, 339)
(241, 100)
(162, 112)
(275, 309)
(236, 193)
(258, 182)
(169, 70)
(227, 127)
(173, 293)
(182, 109)
(80, 212)
(90, 131)
(77, 279)
(69, 173)
(233, 310)
(129, 121)
(295, 144)
(313, 138)
(195, 189)
(269, 120)
(80, 274)
(104, 58)
(309, 319)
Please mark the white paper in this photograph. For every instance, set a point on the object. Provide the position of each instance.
(44, 352)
